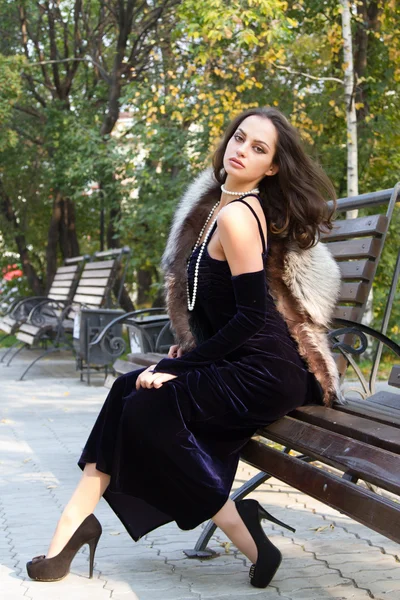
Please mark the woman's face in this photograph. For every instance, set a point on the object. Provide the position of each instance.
(250, 151)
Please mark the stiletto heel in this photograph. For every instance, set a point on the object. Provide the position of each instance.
(268, 556)
(41, 568)
(92, 547)
(265, 515)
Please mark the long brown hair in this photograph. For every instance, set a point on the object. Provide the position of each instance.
(294, 200)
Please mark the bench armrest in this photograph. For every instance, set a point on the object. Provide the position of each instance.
(121, 319)
(355, 328)
(359, 331)
(36, 316)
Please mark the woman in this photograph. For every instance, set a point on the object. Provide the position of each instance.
(178, 426)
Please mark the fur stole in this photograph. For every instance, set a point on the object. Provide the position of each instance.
(304, 284)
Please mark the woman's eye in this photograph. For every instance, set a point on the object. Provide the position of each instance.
(238, 137)
(259, 150)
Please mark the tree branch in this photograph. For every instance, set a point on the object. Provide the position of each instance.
(23, 133)
(72, 59)
(35, 94)
(307, 74)
(30, 111)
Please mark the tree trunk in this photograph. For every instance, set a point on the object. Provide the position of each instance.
(113, 241)
(159, 300)
(368, 20)
(53, 236)
(351, 117)
(125, 301)
(28, 269)
(69, 244)
(143, 286)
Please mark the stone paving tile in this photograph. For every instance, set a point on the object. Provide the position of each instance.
(44, 423)
(268, 594)
(173, 594)
(343, 591)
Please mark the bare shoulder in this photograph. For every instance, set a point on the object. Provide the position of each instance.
(236, 214)
(240, 208)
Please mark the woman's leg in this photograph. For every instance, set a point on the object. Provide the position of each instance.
(82, 503)
(229, 520)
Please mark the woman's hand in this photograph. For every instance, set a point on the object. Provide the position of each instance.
(147, 379)
(175, 351)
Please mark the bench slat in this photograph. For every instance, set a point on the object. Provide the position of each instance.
(354, 292)
(31, 329)
(63, 277)
(123, 366)
(99, 273)
(95, 291)
(364, 248)
(70, 269)
(101, 264)
(365, 506)
(26, 338)
(394, 378)
(364, 430)
(58, 290)
(6, 327)
(357, 269)
(61, 284)
(91, 300)
(370, 409)
(145, 358)
(98, 281)
(351, 313)
(379, 467)
(58, 296)
(7, 320)
(352, 228)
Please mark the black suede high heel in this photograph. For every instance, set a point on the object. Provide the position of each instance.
(269, 557)
(41, 568)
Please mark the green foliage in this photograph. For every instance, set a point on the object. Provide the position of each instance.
(210, 60)
(10, 92)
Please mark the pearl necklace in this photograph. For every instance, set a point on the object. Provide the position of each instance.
(253, 191)
(190, 303)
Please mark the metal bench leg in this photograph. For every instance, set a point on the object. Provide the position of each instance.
(200, 550)
(49, 351)
(17, 352)
(8, 351)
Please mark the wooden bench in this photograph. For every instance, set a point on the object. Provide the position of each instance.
(51, 320)
(346, 456)
(62, 290)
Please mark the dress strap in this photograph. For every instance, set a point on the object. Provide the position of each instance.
(258, 220)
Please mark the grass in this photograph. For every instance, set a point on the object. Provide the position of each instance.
(385, 368)
(7, 342)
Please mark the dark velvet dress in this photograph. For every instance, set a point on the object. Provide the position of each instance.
(172, 452)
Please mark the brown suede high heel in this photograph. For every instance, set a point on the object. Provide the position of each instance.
(41, 568)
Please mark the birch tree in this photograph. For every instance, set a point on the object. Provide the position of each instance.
(351, 115)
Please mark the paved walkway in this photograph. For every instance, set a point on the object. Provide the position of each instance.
(45, 421)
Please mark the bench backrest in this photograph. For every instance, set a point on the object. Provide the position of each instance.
(97, 280)
(66, 279)
(356, 245)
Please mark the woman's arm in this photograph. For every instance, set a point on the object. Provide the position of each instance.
(241, 242)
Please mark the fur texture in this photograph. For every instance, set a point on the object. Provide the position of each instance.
(304, 283)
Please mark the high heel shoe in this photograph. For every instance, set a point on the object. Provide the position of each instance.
(269, 557)
(41, 568)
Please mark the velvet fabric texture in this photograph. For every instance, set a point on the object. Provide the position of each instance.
(172, 452)
(305, 284)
